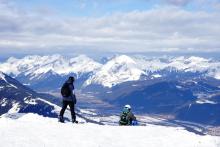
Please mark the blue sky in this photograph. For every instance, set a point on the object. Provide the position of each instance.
(97, 8)
(85, 8)
(56, 26)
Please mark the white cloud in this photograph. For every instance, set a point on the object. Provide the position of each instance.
(159, 29)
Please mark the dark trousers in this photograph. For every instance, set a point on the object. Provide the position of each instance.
(72, 109)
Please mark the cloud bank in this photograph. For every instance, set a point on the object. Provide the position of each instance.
(167, 28)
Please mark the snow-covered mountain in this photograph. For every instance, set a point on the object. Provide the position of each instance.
(122, 79)
(14, 97)
(34, 130)
(37, 70)
(48, 72)
(118, 70)
(36, 66)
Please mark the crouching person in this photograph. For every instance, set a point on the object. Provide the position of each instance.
(127, 117)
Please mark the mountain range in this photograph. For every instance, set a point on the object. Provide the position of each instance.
(186, 88)
(48, 72)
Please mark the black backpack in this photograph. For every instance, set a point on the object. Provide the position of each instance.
(123, 119)
(65, 90)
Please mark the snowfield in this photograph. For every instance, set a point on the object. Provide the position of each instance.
(32, 130)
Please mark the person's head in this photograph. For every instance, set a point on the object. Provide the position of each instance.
(127, 108)
(71, 79)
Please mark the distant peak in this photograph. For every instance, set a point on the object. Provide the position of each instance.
(82, 56)
(12, 59)
(198, 59)
(123, 58)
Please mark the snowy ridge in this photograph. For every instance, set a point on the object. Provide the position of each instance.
(2, 76)
(15, 97)
(57, 64)
(119, 69)
(43, 131)
(186, 64)
(124, 68)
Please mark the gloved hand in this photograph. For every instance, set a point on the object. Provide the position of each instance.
(74, 99)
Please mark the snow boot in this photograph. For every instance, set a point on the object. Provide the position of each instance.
(75, 121)
(61, 119)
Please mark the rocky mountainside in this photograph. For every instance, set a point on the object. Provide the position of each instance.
(14, 97)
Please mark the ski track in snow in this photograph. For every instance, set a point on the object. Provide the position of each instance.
(32, 130)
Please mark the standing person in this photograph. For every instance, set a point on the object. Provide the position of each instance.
(127, 117)
(69, 98)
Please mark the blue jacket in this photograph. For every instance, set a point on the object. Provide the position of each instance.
(72, 97)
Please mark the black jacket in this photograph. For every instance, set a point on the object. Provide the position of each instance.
(72, 97)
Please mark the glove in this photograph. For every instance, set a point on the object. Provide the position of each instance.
(74, 99)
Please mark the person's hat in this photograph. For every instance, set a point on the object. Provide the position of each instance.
(72, 78)
(127, 106)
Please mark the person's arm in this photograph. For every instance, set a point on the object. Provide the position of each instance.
(119, 122)
(73, 93)
(131, 116)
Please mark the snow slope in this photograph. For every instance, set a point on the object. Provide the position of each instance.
(36, 131)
